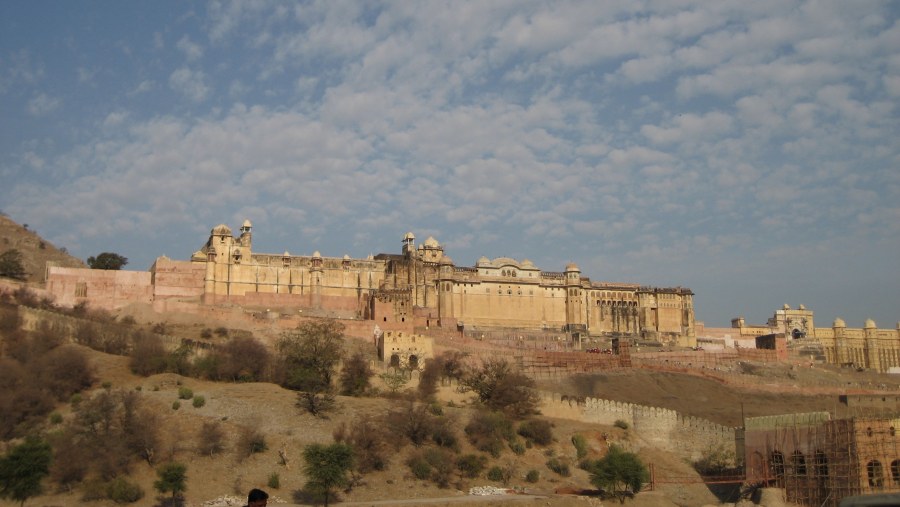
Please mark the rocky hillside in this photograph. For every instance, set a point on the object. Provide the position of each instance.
(36, 251)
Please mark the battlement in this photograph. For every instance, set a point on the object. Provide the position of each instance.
(685, 435)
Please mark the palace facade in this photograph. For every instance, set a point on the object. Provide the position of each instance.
(421, 285)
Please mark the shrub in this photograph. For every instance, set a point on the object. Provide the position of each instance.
(355, 375)
(471, 465)
(120, 490)
(558, 466)
(148, 355)
(63, 372)
(222, 331)
(419, 466)
(538, 431)
(442, 465)
(715, 461)
(242, 359)
(517, 447)
(495, 474)
(580, 443)
(412, 421)
(176, 405)
(185, 393)
(206, 333)
(532, 476)
(367, 439)
(251, 441)
(489, 432)
(621, 424)
(199, 401)
(56, 418)
(444, 433)
(274, 481)
(212, 438)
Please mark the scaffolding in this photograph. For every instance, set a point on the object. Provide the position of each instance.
(818, 460)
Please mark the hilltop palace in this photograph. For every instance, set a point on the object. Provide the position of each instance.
(420, 286)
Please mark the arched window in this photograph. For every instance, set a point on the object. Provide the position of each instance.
(798, 462)
(776, 462)
(895, 471)
(876, 474)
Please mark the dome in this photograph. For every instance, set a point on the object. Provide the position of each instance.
(346, 257)
(409, 235)
(870, 324)
(839, 322)
(431, 242)
(527, 264)
(572, 267)
(247, 224)
(198, 255)
(317, 254)
(482, 261)
(786, 307)
(221, 230)
(801, 307)
(286, 254)
(445, 260)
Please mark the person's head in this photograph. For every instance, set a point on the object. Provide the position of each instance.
(257, 498)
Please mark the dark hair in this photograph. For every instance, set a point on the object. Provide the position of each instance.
(257, 494)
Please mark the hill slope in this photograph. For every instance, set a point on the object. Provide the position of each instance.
(36, 251)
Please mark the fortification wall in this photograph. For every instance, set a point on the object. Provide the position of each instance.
(177, 279)
(684, 435)
(106, 289)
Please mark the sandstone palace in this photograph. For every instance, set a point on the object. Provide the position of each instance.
(420, 286)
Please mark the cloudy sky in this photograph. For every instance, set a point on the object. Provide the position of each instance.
(747, 150)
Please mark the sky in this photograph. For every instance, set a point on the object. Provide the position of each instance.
(747, 150)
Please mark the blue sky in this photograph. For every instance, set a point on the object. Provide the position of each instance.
(747, 150)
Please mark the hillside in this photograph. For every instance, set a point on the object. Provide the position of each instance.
(240, 409)
(36, 251)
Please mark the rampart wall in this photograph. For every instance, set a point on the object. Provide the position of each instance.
(683, 435)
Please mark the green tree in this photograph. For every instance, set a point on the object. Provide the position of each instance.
(23, 468)
(394, 381)
(107, 260)
(327, 467)
(619, 472)
(11, 264)
(500, 387)
(172, 477)
(309, 356)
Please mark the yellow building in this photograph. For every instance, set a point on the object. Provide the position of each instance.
(421, 282)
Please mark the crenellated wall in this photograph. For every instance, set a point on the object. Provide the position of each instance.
(667, 429)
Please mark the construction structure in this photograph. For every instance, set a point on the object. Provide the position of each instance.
(818, 460)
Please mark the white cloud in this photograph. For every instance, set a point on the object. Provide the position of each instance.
(43, 104)
(191, 50)
(189, 83)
